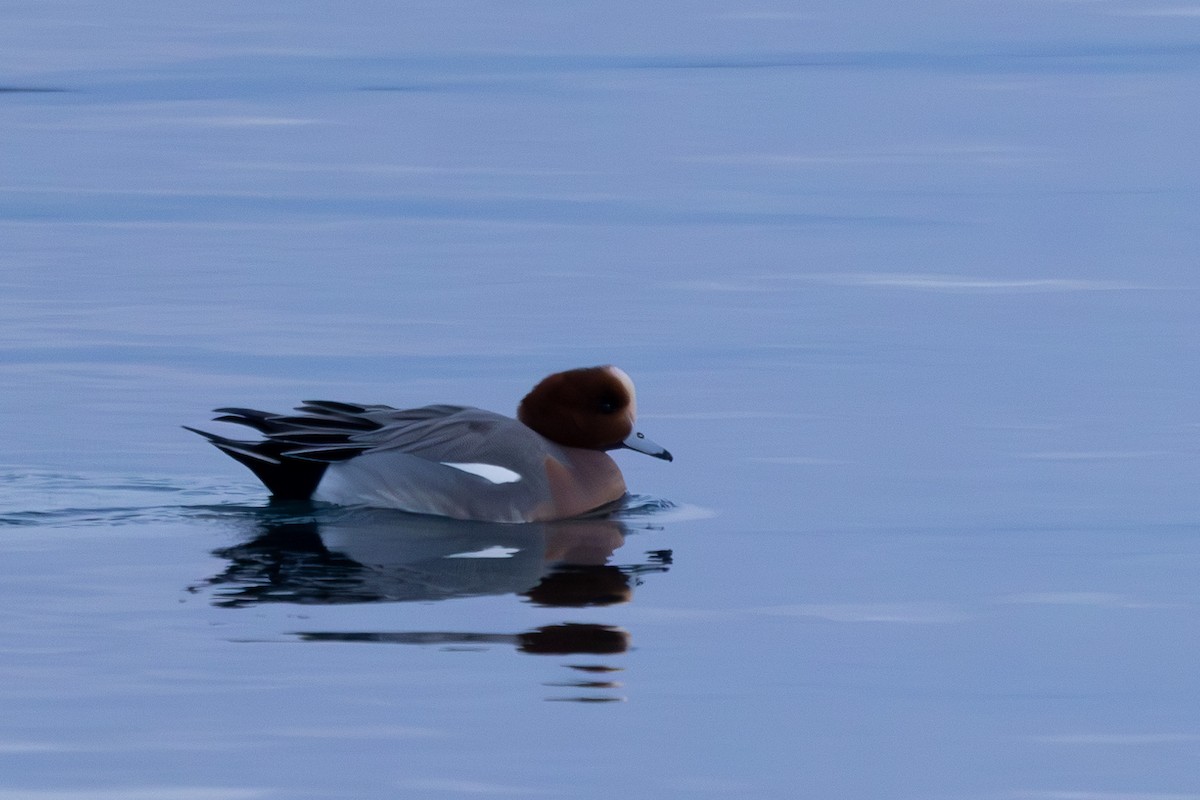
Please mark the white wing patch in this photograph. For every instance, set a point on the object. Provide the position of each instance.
(492, 472)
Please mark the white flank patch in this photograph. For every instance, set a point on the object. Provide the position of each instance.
(492, 472)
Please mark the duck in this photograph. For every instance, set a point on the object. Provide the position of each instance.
(550, 463)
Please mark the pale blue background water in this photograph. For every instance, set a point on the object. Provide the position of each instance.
(910, 292)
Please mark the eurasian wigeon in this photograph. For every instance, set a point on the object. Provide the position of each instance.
(453, 461)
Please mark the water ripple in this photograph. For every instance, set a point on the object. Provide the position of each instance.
(59, 499)
(77, 499)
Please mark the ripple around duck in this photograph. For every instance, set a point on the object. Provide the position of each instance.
(58, 499)
(45, 498)
(640, 508)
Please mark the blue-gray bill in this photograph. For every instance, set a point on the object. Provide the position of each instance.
(638, 441)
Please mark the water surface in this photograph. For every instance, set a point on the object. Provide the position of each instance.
(910, 294)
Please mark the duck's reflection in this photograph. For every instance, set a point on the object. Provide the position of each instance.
(364, 556)
(570, 638)
(310, 555)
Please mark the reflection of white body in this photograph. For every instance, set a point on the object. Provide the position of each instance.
(454, 461)
(409, 556)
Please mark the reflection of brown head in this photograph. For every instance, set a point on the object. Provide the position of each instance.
(576, 586)
(591, 407)
(574, 637)
(585, 541)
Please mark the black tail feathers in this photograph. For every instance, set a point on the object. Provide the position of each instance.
(286, 477)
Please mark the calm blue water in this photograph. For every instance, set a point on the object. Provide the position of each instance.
(910, 294)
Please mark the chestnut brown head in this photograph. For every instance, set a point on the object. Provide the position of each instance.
(592, 407)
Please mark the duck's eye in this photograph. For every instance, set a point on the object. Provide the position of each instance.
(607, 405)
